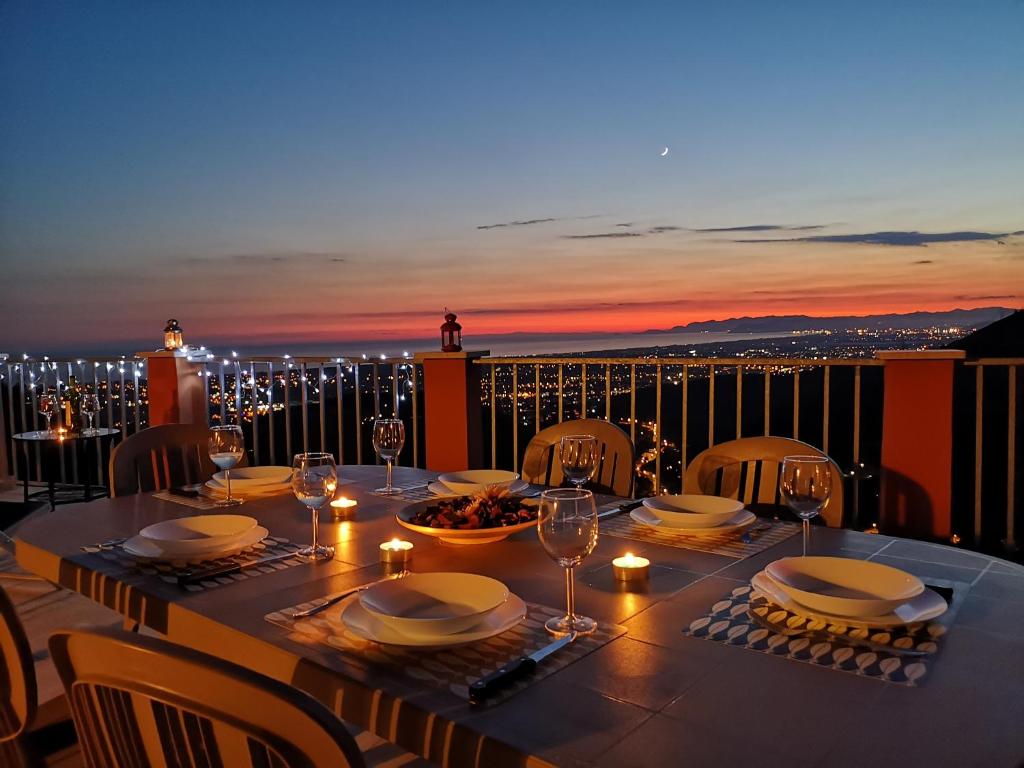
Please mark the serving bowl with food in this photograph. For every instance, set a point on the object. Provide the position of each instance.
(489, 515)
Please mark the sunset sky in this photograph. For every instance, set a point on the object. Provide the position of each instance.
(331, 171)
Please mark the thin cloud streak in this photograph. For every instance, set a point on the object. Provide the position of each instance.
(531, 222)
(761, 228)
(897, 238)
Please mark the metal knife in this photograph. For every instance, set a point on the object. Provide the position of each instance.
(194, 577)
(488, 686)
(625, 507)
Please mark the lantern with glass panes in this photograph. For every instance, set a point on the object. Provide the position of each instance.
(172, 336)
(451, 333)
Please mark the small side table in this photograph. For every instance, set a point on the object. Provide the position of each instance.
(83, 443)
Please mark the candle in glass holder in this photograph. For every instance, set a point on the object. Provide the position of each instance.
(630, 567)
(343, 508)
(396, 552)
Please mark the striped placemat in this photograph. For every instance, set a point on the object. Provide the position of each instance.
(745, 618)
(454, 668)
(732, 544)
(171, 571)
(195, 502)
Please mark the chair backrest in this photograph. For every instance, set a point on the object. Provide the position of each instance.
(17, 675)
(748, 469)
(614, 473)
(139, 701)
(161, 457)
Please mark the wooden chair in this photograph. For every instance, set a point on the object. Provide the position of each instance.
(748, 469)
(161, 457)
(140, 701)
(614, 473)
(30, 734)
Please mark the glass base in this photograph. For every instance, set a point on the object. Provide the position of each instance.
(228, 502)
(563, 625)
(388, 491)
(319, 552)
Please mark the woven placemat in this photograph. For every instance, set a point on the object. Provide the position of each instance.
(732, 545)
(172, 571)
(780, 632)
(454, 668)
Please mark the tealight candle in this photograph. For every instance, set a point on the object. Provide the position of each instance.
(396, 552)
(630, 567)
(343, 508)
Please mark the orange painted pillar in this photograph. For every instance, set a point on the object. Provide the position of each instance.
(917, 442)
(177, 393)
(451, 410)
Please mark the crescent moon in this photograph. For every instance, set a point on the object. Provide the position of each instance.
(664, 152)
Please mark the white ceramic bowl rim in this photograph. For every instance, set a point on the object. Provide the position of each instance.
(449, 601)
(198, 529)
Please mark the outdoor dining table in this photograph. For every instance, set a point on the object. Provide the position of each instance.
(652, 696)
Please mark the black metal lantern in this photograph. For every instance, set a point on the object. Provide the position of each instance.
(172, 336)
(451, 333)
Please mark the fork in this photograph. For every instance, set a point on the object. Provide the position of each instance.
(753, 533)
(339, 597)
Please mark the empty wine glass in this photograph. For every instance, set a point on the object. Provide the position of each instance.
(90, 407)
(226, 446)
(388, 439)
(579, 456)
(48, 408)
(567, 528)
(314, 481)
(806, 485)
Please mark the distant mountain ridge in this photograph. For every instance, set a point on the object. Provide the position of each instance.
(959, 318)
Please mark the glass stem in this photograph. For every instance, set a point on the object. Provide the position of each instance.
(227, 476)
(570, 595)
(316, 520)
(807, 534)
(389, 474)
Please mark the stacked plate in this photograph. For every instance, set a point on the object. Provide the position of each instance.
(201, 537)
(250, 482)
(694, 514)
(471, 481)
(432, 610)
(839, 590)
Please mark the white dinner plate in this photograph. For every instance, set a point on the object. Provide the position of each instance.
(692, 510)
(440, 489)
(469, 481)
(198, 534)
(844, 586)
(741, 521)
(926, 606)
(257, 475)
(143, 548)
(431, 604)
(363, 624)
(215, 490)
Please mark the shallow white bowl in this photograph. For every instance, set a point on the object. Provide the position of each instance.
(692, 510)
(432, 604)
(198, 534)
(257, 476)
(469, 481)
(145, 549)
(842, 586)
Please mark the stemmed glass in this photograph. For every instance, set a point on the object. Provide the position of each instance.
(48, 407)
(579, 457)
(226, 445)
(314, 481)
(388, 439)
(806, 485)
(90, 407)
(567, 527)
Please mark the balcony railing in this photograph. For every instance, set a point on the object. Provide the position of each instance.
(672, 407)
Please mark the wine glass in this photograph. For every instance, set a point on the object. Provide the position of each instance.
(48, 407)
(579, 455)
(806, 485)
(314, 480)
(388, 439)
(226, 446)
(90, 407)
(567, 528)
